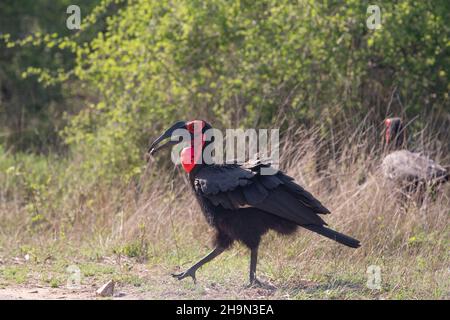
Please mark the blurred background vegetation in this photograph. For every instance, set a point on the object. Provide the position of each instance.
(78, 107)
(136, 66)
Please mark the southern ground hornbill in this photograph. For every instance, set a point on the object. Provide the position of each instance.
(241, 203)
(409, 170)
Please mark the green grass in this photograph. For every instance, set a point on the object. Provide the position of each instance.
(14, 274)
(91, 269)
(226, 277)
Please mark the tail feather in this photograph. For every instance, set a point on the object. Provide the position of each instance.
(334, 235)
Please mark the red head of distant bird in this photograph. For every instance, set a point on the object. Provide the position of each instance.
(192, 154)
(394, 132)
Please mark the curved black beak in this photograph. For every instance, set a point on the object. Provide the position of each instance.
(168, 134)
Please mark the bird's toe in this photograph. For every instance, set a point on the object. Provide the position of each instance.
(255, 283)
(179, 276)
(185, 274)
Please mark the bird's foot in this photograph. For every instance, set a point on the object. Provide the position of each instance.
(187, 273)
(255, 283)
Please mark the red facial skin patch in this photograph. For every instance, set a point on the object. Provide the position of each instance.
(190, 156)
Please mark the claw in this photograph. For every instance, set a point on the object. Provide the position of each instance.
(187, 273)
(255, 283)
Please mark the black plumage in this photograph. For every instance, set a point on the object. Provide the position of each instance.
(242, 204)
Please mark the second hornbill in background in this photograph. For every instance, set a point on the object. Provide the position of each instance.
(411, 171)
(241, 203)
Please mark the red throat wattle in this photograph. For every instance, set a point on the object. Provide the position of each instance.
(190, 156)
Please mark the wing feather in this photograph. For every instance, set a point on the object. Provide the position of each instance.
(232, 187)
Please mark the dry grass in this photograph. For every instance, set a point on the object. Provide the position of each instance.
(164, 228)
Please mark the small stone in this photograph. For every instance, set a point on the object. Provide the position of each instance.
(107, 290)
(120, 294)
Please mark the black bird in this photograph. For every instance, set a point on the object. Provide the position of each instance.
(242, 204)
(411, 171)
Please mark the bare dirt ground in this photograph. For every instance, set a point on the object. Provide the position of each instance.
(125, 293)
(167, 288)
(28, 281)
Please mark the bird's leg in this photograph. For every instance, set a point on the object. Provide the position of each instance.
(254, 282)
(191, 271)
(253, 262)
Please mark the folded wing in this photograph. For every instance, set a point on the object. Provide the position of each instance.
(234, 186)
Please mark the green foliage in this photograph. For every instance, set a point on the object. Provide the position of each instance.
(41, 184)
(137, 248)
(253, 63)
(31, 43)
(242, 63)
(14, 274)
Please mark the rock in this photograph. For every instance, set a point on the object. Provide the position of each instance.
(120, 294)
(17, 261)
(107, 290)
